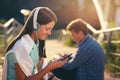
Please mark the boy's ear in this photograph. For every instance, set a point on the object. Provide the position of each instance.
(80, 33)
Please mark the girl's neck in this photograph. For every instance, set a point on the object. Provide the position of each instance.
(33, 36)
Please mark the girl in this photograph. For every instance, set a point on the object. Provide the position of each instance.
(25, 52)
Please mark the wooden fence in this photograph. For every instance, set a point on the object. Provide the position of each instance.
(10, 30)
(103, 30)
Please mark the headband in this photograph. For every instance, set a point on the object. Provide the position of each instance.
(35, 24)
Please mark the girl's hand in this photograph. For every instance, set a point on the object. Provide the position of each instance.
(56, 64)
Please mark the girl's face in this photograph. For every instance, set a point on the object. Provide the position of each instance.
(45, 30)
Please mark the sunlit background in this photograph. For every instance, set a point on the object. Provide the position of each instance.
(103, 17)
(66, 10)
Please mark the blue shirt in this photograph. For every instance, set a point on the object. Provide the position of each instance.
(88, 62)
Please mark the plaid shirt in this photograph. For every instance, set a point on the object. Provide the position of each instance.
(89, 61)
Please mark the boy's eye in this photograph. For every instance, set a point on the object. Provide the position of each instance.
(47, 29)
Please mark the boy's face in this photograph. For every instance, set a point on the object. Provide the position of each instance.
(77, 37)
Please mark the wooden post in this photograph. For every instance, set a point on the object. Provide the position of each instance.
(109, 42)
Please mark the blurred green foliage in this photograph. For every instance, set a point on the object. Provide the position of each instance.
(69, 41)
(2, 21)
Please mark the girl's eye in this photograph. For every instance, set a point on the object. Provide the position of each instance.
(47, 29)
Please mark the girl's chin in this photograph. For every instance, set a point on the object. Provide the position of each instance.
(43, 38)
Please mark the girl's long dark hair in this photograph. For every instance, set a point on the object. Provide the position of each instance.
(45, 16)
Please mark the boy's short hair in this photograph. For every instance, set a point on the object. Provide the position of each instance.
(77, 25)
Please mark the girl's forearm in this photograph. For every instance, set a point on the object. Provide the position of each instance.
(39, 75)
